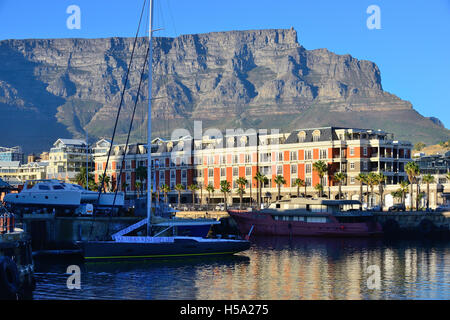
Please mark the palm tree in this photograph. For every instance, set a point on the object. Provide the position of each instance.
(242, 182)
(200, 187)
(339, 177)
(210, 189)
(381, 179)
(141, 174)
(372, 180)
(138, 186)
(113, 183)
(225, 187)
(165, 189)
(366, 181)
(264, 181)
(397, 194)
(412, 170)
(404, 189)
(193, 188)
(279, 180)
(157, 194)
(179, 187)
(105, 181)
(240, 191)
(299, 183)
(260, 179)
(428, 178)
(361, 177)
(92, 185)
(419, 199)
(319, 188)
(321, 167)
(124, 188)
(80, 177)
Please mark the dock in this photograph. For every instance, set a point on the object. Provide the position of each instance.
(201, 214)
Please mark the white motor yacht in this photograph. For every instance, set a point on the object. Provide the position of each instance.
(55, 194)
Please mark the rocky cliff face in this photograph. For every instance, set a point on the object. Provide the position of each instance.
(260, 78)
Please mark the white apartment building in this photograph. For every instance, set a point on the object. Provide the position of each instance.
(67, 157)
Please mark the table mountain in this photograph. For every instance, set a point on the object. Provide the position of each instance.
(53, 88)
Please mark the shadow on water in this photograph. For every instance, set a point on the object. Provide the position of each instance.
(172, 263)
(141, 279)
(57, 264)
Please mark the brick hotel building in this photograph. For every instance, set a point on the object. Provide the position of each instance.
(213, 159)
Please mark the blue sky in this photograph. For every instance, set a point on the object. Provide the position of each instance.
(412, 48)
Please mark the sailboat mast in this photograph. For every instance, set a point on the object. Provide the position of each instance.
(149, 121)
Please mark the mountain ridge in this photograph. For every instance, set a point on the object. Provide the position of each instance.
(253, 78)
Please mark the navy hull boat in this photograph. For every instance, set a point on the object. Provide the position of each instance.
(135, 246)
(123, 247)
(161, 247)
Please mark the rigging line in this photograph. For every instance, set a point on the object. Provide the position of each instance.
(161, 13)
(101, 186)
(171, 17)
(128, 137)
(176, 35)
(143, 132)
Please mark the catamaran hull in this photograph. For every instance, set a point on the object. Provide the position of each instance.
(67, 200)
(111, 250)
(59, 199)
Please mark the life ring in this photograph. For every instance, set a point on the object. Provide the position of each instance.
(9, 278)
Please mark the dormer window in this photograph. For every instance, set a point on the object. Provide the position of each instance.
(301, 136)
(243, 141)
(316, 135)
(230, 142)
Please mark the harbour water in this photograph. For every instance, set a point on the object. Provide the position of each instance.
(274, 268)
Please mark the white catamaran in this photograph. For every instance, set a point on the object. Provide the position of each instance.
(124, 246)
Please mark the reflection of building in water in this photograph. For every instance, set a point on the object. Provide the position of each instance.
(316, 271)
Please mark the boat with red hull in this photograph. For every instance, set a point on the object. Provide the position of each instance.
(308, 217)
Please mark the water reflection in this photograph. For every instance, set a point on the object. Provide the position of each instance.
(158, 279)
(274, 268)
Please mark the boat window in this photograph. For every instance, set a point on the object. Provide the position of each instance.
(317, 219)
(58, 187)
(43, 187)
(277, 205)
